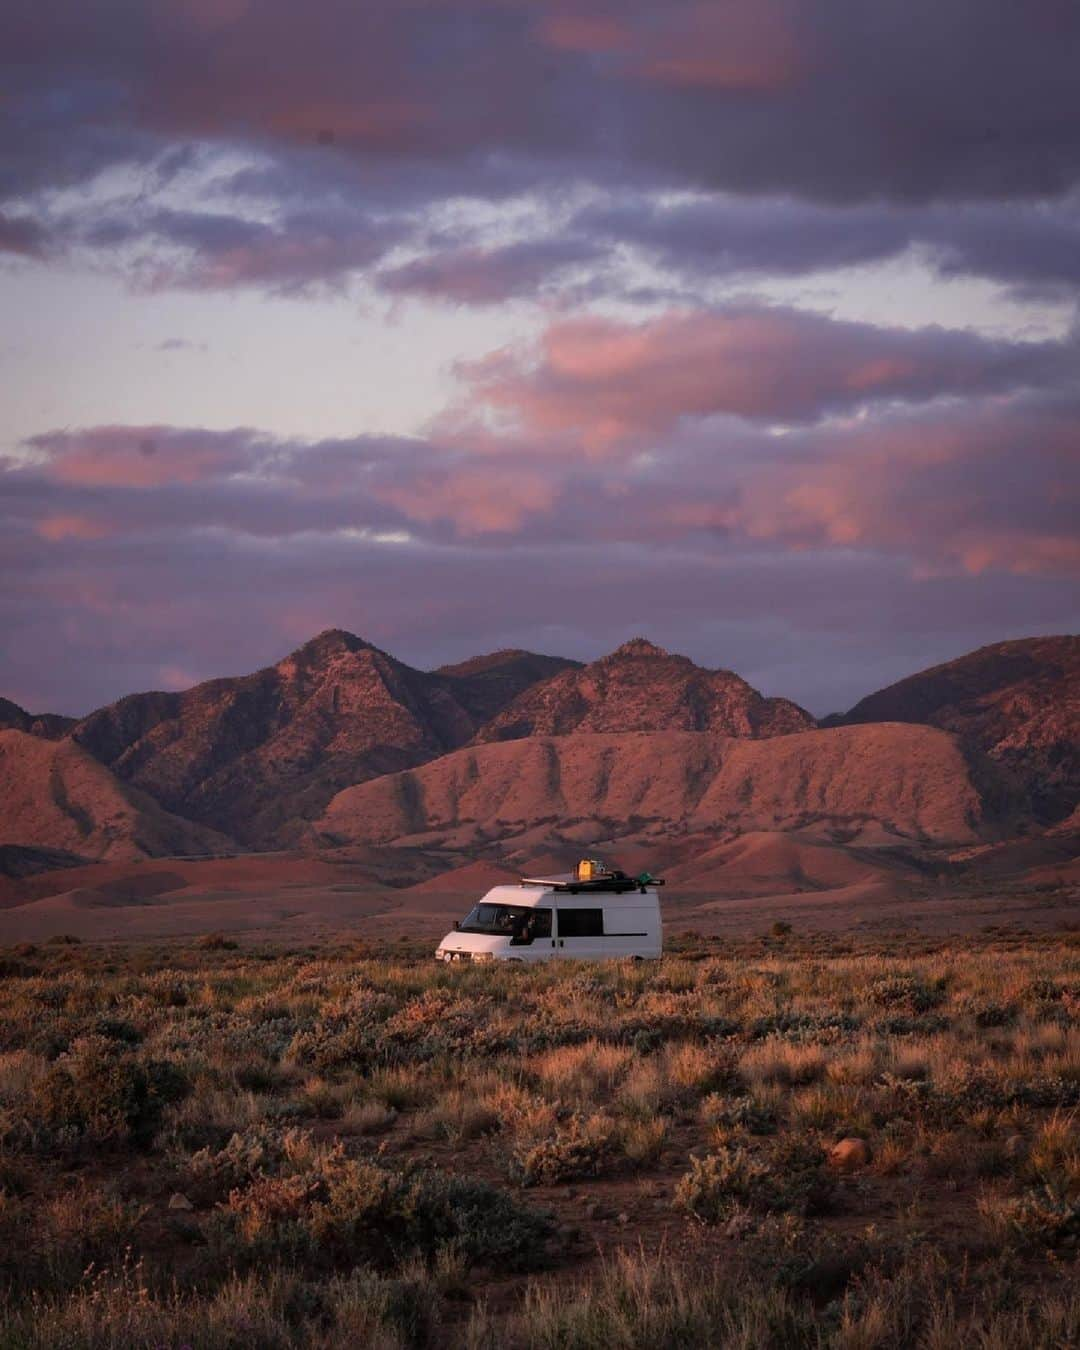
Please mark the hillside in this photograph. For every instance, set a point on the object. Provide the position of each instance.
(641, 687)
(261, 758)
(873, 781)
(486, 684)
(51, 726)
(55, 796)
(1016, 704)
(259, 755)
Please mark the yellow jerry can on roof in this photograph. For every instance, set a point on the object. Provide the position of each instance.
(591, 869)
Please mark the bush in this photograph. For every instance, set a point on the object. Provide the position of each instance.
(216, 942)
(1041, 1217)
(791, 1180)
(719, 1183)
(581, 1148)
(99, 1093)
(331, 1210)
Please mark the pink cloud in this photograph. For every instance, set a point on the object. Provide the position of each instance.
(476, 500)
(61, 527)
(585, 32)
(687, 45)
(722, 47)
(978, 489)
(607, 387)
(139, 457)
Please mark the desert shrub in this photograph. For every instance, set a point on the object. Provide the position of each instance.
(1054, 1156)
(692, 1070)
(720, 1183)
(643, 1142)
(753, 1114)
(48, 1245)
(216, 942)
(346, 1036)
(647, 1041)
(901, 1024)
(800, 1027)
(251, 1153)
(1040, 1217)
(906, 991)
(460, 1115)
(368, 1118)
(279, 1310)
(326, 1209)
(778, 1061)
(583, 1147)
(986, 1013)
(101, 1094)
(117, 1029)
(638, 1302)
(585, 1073)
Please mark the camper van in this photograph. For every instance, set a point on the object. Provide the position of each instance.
(590, 917)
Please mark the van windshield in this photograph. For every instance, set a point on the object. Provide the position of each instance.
(513, 920)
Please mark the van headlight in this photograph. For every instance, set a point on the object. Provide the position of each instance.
(483, 956)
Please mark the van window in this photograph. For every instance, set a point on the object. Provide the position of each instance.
(541, 923)
(581, 922)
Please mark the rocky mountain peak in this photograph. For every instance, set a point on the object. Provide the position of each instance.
(636, 649)
(326, 646)
(641, 687)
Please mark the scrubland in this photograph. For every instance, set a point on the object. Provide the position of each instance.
(217, 1146)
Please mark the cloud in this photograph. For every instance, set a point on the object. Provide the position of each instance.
(23, 236)
(977, 488)
(829, 100)
(1029, 246)
(202, 250)
(814, 134)
(943, 523)
(141, 457)
(608, 387)
(488, 276)
(176, 344)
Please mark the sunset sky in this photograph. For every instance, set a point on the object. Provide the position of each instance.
(750, 326)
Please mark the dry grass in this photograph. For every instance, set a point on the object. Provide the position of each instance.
(377, 1150)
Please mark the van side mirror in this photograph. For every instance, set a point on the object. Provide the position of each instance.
(457, 924)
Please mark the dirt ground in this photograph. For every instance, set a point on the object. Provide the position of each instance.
(293, 897)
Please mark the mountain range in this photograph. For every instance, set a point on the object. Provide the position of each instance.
(341, 746)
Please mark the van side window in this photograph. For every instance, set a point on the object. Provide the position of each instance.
(581, 922)
(541, 923)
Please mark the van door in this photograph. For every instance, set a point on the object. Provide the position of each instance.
(581, 929)
(534, 940)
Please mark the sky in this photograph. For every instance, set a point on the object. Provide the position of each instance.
(750, 326)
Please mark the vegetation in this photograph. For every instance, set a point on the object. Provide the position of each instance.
(217, 1146)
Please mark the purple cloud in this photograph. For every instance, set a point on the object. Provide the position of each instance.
(488, 276)
(387, 107)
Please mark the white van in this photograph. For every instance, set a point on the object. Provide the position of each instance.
(555, 918)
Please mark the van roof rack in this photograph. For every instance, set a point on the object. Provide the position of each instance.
(616, 883)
